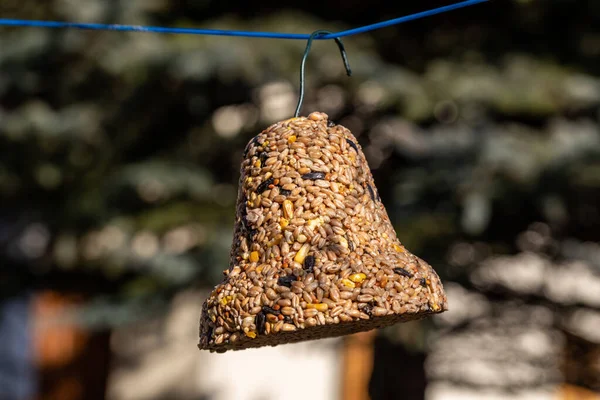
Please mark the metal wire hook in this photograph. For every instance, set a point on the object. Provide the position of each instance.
(313, 36)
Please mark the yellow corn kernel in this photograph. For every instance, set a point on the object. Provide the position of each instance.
(251, 334)
(348, 283)
(398, 248)
(435, 307)
(319, 306)
(302, 253)
(226, 300)
(288, 209)
(343, 242)
(283, 223)
(257, 164)
(254, 256)
(313, 223)
(292, 139)
(268, 175)
(357, 278)
(275, 240)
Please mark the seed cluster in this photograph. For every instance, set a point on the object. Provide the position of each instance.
(314, 253)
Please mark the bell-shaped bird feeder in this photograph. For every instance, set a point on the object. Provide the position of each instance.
(314, 253)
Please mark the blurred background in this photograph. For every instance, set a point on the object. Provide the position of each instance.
(119, 160)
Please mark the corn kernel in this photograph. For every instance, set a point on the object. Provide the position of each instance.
(343, 242)
(313, 223)
(254, 256)
(348, 283)
(319, 306)
(302, 253)
(251, 334)
(257, 164)
(288, 209)
(357, 278)
(283, 223)
(226, 300)
(275, 240)
(292, 139)
(398, 248)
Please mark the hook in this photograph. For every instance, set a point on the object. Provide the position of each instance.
(313, 36)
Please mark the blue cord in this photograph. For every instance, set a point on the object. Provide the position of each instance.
(216, 32)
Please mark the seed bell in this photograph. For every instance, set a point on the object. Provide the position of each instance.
(314, 253)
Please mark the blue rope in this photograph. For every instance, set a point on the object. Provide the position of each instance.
(216, 32)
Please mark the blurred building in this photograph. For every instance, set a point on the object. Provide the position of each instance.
(159, 360)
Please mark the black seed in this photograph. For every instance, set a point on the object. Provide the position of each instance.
(285, 192)
(269, 310)
(330, 123)
(423, 282)
(263, 157)
(253, 142)
(371, 193)
(368, 309)
(314, 175)
(286, 280)
(243, 201)
(350, 244)
(261, 319)
(403, 272)
(288, 320)
(209, 333)
(251, 233)
(264, 186)
(352, 144)
(309, 263)
(244, 214)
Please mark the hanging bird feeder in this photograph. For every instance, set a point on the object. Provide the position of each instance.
(314, 253)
